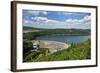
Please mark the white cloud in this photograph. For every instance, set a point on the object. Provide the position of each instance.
(70, 13)
(44, 22)
(73, 13)
(40, 18)
(26, 21)
(84, 23)
(65, 13)
(36, 13)
(47, 21)
(44, 12)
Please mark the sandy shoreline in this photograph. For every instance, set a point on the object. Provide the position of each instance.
(53, 46)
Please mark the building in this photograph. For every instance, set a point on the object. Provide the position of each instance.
(36, 44)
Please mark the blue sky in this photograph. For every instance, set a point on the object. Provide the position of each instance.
(56, 19)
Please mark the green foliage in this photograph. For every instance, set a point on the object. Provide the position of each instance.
(35, 54)
(27, 46)
(75, 52)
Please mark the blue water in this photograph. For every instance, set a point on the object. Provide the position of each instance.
(64, 38)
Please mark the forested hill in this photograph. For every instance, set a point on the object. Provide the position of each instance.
(67, 31)
(31, 28)
(59, 31)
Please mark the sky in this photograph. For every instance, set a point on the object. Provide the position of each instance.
(56, 19)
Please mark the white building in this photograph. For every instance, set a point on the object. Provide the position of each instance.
(36, 44)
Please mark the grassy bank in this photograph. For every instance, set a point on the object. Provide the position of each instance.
(75, 52)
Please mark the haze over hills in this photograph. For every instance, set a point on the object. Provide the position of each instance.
(71, 31)
(33, 28)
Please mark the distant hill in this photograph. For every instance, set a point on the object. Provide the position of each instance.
(31, 28)
(65, 31)
(57, 31)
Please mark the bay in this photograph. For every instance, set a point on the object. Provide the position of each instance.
(64, 38)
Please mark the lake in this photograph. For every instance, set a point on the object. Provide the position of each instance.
(64, 38)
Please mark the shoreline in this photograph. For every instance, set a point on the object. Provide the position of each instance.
(53, 46)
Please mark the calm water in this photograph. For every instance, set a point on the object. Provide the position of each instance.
(64, 38)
